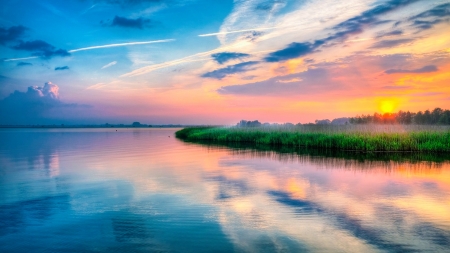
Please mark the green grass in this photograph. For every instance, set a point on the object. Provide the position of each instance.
(361, 138)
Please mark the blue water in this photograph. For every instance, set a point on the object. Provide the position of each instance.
(143, 190)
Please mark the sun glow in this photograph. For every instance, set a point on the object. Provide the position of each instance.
(387, 106)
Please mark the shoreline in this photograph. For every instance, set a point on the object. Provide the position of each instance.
(352, 141)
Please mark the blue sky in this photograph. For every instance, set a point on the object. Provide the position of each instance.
(198, 61)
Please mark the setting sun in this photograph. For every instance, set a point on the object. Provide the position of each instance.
(227, 125)
(387, 106)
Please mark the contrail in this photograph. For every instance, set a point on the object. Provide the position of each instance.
(191, 58)
(19, 59)
(254, 29)
(239, 31)
(98, 47)
(120, 45)
(109, 65)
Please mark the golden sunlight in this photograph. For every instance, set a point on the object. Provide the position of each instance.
(387, 106)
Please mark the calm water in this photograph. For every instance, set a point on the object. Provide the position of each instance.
(139, 190)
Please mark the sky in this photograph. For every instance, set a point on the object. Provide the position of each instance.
(218, 62)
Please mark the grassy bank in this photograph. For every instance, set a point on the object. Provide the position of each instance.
(362, 138)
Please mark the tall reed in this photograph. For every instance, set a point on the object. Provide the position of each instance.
(346, 137)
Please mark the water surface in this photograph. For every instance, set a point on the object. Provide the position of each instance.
(142, 190)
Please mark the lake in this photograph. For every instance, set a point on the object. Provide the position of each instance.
(143, 190)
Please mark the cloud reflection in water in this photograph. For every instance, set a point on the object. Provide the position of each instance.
(140, 190)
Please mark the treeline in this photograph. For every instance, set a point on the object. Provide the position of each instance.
(436, 117)
(256, 123)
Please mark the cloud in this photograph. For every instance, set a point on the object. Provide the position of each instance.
(357, 23)
(62, 68)
(396, 87)
(342, 30)
(297, 83)
(109, 65)
(229, 70)
(425, 25)
(223, 57)
(425, 69)
(191, 58)
(370, 17)
(391, 33)
(254, 31)
(392, 60)
(270, 5)
(347, 74)
(251, 36)
(23, 64)
(293, 50)
(390, 43)
(35, 106)
(11, 34)
(35, 45)
(440, 11)
(41, 49)
(139, 23)
(435, 15)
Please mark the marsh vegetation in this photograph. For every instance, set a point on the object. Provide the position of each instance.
(368, 137)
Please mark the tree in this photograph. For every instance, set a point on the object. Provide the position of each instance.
(136, 124)
(443, 119)
(419, 119)
(427, 117)
(436, 115)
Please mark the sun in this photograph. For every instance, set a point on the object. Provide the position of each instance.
(387, 106)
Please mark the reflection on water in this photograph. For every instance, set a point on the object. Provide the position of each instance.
(142, 190)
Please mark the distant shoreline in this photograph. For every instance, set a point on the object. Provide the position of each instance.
(96, 126)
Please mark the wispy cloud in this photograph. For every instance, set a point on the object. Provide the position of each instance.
(11, 34)
(223, 57)
(311, 80)
(62, 68)
(96, 86)
(428, 19)
(342, 31)
(88, 9)
(24, 64)
(230, 70)
(391, 33)
(41, 49)
(191, 58)
(439, 11)
(293, 50)
(109, 65)
(139, 23)
(391, 43)
(238, 31)
(425, 69)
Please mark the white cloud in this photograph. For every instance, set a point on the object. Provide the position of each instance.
(37, 105)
